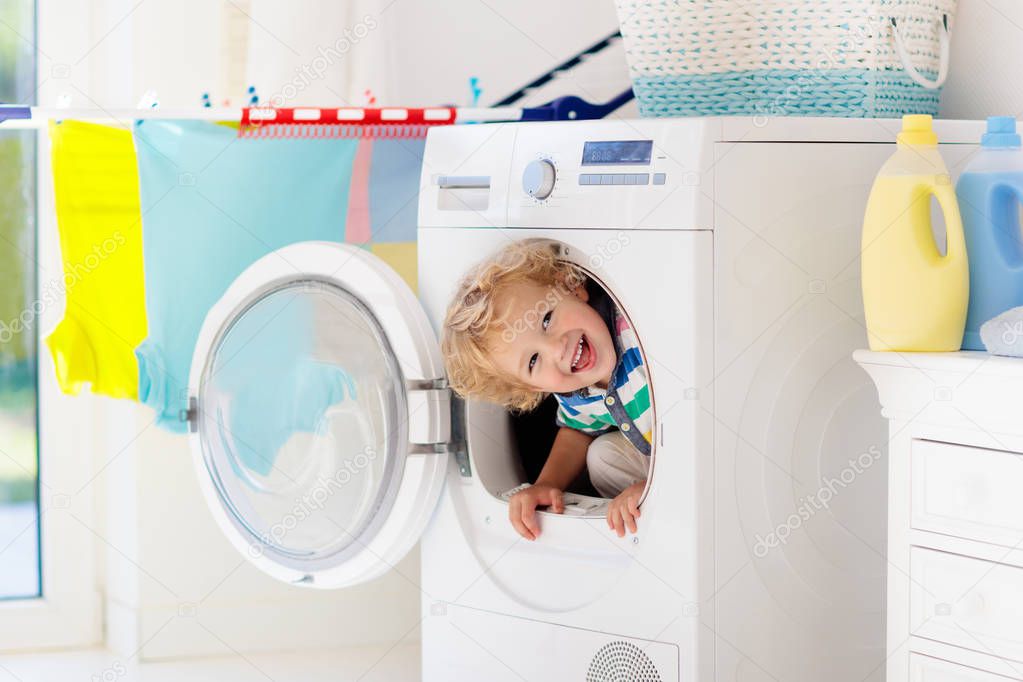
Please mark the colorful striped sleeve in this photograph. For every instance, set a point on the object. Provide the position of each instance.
(588, 424)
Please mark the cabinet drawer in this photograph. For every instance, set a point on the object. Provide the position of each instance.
(972, 603)
(967, 492)
(927, 669)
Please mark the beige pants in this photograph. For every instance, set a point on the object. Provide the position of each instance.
(614, 464)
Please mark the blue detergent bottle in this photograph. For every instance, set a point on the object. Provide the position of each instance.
(989, 193)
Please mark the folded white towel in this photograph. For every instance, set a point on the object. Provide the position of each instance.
(1003, 334)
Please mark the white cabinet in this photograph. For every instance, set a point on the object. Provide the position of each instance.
(955, 514)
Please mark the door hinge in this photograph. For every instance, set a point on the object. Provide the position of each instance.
(459, 446)
(456, 444)
(426, 384)
(191, 415)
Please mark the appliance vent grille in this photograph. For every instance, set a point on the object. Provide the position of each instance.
(622, 661)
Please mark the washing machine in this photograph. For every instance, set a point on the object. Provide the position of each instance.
(732, 247)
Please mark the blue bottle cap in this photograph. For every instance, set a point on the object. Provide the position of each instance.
(1001, 132)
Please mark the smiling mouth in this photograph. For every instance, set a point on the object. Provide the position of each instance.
(584, 357)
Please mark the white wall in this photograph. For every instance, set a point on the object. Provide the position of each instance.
(406, 52)
(987, 61)
(424, 53)
(172, 585)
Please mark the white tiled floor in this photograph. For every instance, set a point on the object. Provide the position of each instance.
(365, 664)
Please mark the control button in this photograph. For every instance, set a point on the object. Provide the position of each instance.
(606, 179)
(610, 400)
(641, 178)
(538, 179)
(658, 178)
(586, 179)
(618, 179)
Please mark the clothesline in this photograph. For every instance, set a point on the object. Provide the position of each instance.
(14, 117)
(20, 117)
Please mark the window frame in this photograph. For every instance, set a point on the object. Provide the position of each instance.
(68, 614)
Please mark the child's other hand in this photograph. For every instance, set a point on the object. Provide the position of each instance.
(623, 510)
(522, 508)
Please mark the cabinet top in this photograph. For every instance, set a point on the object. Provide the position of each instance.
(960, 362)
(945, 395)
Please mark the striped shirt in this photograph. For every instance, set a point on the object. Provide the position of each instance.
(625, 404)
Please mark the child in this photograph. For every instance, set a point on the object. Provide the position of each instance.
(524, 324)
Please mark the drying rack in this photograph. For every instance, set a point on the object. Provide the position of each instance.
(14, 117)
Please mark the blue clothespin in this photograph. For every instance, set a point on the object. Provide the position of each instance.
(253, 97)
(475, 91)
(206, 101)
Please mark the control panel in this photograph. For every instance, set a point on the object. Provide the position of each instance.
(607, 174)
(540, 176)
(612, 174)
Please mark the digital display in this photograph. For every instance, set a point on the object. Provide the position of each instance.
(612, 153)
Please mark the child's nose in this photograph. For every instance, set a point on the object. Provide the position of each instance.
(559, 348)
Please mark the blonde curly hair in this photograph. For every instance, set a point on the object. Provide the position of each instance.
(473, 317)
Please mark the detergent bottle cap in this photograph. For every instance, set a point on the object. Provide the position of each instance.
(916, 129)
(1001, 132)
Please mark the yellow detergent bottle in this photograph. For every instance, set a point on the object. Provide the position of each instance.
(914, 298)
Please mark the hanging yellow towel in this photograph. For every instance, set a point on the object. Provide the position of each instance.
(96, 187)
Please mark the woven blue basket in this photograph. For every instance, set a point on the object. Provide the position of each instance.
(859, 58)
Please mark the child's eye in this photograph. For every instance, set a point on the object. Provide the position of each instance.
(547, 319)
(532, 360)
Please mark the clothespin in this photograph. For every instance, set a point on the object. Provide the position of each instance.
(149, 100)
(253, 97)
(63, 102)
(206, 101)
(370, 97)
(474, 91)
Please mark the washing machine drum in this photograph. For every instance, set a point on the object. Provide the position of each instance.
(318, 415)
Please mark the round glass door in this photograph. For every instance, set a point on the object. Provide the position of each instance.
(302, 422)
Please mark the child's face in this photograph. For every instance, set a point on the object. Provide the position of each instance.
(553, 340)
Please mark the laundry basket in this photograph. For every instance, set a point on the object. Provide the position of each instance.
(852, 58)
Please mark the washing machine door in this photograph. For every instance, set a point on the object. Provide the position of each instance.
(318, 415)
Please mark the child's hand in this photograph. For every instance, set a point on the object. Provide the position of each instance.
(623, 510)
(522, 506)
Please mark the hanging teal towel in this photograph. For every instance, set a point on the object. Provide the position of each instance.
(212, 204)
(394, 189)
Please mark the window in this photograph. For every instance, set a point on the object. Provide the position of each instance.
(20, 574)
(48, 526)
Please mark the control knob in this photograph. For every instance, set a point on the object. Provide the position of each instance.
(538, 179)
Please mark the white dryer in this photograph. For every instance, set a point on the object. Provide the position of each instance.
(732, 245)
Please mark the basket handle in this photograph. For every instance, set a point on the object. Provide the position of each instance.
(944, 38)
